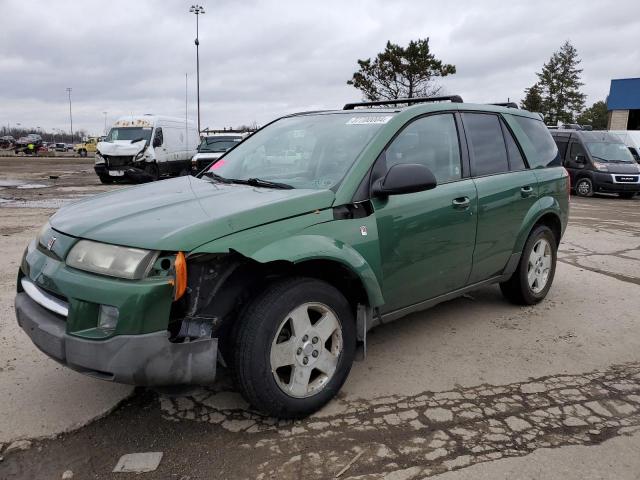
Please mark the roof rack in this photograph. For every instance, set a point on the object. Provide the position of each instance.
(505, 104)
(408, 101)
(224, 130)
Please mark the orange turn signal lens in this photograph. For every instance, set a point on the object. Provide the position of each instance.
(180, 266)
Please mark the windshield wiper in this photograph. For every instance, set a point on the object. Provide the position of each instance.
(258, 182)
(217, 177)
(136, 140)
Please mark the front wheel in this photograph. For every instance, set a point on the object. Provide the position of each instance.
(584, 187)
(532, 280)
(82, 153)
(152, 170)
(295, 347)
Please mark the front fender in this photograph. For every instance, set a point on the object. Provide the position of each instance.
(300, 248)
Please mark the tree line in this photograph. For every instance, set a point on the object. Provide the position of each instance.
(412, 71)
(47, 136)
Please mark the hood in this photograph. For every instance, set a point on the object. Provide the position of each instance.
(182, 213)
(207, 155)
(122, 148)
(626, 167)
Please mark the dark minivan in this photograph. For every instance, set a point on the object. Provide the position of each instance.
(598, 162)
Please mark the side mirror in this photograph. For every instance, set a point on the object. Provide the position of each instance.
(156, 142)
(404, 178)
(580, 158)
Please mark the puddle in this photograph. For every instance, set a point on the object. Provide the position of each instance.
(44, 203)
(11, 183)
(32, 185)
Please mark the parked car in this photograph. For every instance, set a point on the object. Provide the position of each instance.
(7, 141)
(144, 148)
(279, 270)
(598, 161)
(631, 139)
(86, 147)
(60, 147)
(213, 146)
(23, 144)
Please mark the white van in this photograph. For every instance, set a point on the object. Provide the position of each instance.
(145, 147)
(631, 139)
(214, 144)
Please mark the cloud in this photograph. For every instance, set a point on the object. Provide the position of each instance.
(260, 59)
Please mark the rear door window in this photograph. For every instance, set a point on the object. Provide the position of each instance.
(486, 144)
(516, 160)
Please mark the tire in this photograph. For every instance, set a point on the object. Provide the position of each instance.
(268, 322)
(105, 179)
(519, 289)
(82, 153)
(152, 170)
(584, 187)
(627, 195)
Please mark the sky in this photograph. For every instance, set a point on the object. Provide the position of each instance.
(261, 59)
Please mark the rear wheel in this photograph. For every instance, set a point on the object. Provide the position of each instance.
(82, 153)
(627, 195)
(532, 280)
(584, 187)
(295, 347)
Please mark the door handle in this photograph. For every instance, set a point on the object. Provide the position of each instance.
(461, 203)
(526, 191)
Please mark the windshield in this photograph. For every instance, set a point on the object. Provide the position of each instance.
(129, 133)
(609, 152)
(306, 151)
(218, 144)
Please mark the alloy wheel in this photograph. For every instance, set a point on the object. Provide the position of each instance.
(306, 350)
(539, 265)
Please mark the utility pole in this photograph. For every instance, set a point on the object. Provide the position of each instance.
(105, 123)
(70, 116)
(197, 9)
(186, 110)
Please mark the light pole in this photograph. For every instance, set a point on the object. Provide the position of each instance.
(105, 123)
(197, 9)
(70, 116)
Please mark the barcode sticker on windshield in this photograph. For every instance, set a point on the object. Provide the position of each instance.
(369, 119)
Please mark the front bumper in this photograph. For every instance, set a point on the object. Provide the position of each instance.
(609, 183)
(147, 359)
(127, 172)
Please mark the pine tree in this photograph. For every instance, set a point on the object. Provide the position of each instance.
(400, 72)
(560, 84)
(533, 99)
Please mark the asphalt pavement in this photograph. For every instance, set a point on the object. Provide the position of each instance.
(473, 388)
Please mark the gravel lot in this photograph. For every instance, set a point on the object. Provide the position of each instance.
(474, 388)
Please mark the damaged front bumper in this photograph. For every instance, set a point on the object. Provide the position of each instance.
(133, 172)
(149, 359)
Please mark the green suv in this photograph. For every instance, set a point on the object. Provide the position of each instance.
(278, 258)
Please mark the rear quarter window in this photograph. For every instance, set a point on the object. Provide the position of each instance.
(537, 142)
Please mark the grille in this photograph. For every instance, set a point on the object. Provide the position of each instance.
(118, 161)
(627, 178)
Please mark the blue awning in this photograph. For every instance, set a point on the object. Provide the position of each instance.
(624, 94)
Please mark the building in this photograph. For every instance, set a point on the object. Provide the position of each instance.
(623, 104)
